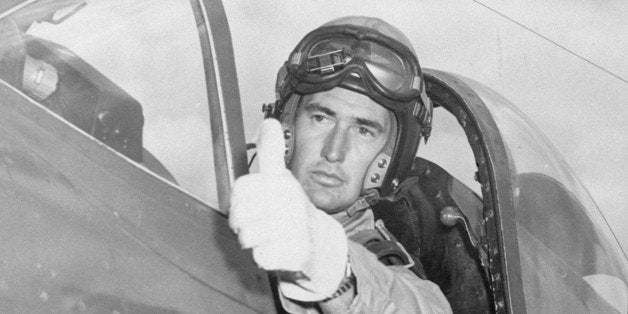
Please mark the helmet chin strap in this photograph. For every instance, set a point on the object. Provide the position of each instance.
(377, 170)
(371, 196)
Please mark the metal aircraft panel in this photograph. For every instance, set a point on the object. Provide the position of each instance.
(83, 227)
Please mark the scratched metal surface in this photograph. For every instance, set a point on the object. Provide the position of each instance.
(82, 228)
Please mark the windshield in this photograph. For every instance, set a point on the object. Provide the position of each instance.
(570, 260)
(113, 65)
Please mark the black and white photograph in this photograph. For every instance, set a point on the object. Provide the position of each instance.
(314, 156)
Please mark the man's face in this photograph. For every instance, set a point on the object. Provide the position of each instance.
(338, 134)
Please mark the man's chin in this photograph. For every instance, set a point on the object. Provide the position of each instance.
(329, 203)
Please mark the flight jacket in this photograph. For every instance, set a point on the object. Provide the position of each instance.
(380, 288)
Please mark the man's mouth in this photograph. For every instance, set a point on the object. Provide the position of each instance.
(326, 178)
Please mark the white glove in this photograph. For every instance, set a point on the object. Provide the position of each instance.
(274, 217)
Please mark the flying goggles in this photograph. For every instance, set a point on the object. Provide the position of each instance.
(356, 58)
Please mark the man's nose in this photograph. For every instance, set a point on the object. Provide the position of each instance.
(335, 146)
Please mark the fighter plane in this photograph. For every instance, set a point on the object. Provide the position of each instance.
(121, 133)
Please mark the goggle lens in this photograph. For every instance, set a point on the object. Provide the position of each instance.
(387, 67)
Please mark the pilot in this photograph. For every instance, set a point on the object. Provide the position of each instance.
(352, 105)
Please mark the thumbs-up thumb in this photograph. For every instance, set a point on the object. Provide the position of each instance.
(271, 148)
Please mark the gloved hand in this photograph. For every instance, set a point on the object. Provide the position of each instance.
(273, 216)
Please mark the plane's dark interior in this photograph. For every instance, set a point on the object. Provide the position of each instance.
(446, 251)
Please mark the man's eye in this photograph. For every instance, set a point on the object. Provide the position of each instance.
(318, 118)
(365, 131)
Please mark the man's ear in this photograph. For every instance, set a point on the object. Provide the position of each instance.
(288, 120)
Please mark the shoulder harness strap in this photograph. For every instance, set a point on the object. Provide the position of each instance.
(386, 247)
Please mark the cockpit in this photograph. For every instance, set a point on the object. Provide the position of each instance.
(550, 230)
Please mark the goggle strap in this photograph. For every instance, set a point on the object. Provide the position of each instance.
(416, 83)
(282, 75)
(296, 58)
(327, 62)
(416, 111)
(426, 117)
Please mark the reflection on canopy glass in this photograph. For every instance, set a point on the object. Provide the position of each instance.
(129, 73)
(570, 260)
